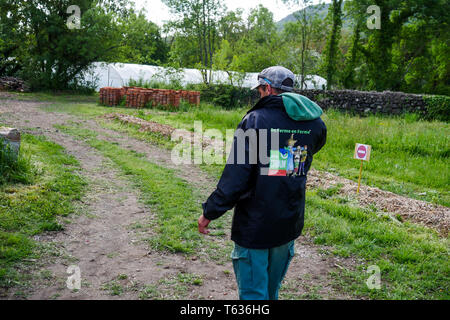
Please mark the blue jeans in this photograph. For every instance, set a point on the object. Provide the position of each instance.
(259, 272)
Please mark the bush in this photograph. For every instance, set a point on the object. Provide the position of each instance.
(154, 84)
(437, 108)
(227, 96)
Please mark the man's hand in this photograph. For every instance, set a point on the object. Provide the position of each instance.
(202, 224)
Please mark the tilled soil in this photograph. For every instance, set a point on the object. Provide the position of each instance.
(430, 215)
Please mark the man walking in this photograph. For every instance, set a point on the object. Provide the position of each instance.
(268, 193)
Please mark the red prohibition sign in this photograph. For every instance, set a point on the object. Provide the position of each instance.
(362, 151)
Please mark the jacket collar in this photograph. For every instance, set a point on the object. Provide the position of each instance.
(268, 102)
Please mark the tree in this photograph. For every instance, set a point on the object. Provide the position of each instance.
(51, 55)
(225, 60)
(353, 58)
(231, 26)
(13, 40)
(142, 42)
(393, 57)
(259, 47)
(308, 24)
(196, 24)
(333, 42)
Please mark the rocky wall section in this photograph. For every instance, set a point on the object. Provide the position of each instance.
(367, 102)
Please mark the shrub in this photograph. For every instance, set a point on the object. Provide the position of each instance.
(154, 84)
(437, 108)
(227, 96)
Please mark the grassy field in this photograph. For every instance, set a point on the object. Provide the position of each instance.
(410, 157)
(46, 192)
(412, 259)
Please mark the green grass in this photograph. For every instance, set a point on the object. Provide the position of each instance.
(14, 169)
(414, 260)
(57, 97)
(409, 156)
(30, 209)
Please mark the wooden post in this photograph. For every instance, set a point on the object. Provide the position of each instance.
(360, 174)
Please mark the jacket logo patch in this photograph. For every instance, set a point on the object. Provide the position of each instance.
(288, 161)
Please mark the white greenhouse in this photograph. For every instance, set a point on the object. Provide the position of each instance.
(119, 75)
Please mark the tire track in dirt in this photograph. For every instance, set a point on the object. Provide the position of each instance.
(104, 247)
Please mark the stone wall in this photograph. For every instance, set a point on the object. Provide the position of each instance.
(367, 102)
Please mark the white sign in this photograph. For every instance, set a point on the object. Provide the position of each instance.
(362, 152)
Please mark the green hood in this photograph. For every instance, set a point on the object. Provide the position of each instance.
(299, 107)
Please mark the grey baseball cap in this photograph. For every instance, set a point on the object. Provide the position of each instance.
(278, 77)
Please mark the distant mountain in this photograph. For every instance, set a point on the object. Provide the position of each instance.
(320, 9)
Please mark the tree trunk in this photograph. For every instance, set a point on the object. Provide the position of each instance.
(333, 42)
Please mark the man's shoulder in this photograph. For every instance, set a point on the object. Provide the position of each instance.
(267, 102)
(264, 109)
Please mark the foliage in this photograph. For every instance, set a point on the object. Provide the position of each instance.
(392, 58)
(225, 59)
(437, 108)
(12, 34)
(227, 96)
(307, 28)
(36, 44)
(196, 27)
(40, 47)
(142, 42)
(333, 41)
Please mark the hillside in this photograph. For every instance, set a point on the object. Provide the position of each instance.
(320, 9)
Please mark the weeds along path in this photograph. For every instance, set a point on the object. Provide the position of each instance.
(115, 240)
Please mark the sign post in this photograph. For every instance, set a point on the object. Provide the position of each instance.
(362, 152)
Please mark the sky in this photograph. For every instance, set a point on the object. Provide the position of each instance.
(157, 12)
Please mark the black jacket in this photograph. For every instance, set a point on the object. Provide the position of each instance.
(269, 199)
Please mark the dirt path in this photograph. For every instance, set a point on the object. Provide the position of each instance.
(102, 242)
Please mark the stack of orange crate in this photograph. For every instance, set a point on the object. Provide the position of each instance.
(102, 95)
(130, 97)
(110, 96)
(114, 96)
(140, 97)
